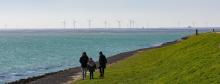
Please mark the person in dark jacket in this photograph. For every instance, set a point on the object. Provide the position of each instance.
(91, 68)
(197, 32)
(83, 61)
(102, 64)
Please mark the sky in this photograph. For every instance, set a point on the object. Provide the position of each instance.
(108, 13)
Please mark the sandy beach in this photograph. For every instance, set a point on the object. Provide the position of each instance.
(65, 76)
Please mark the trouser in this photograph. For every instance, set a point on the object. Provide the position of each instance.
(102, 70)
(91, 74)
(83, 72)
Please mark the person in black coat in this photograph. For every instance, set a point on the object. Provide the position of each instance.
(102, 63)
(83, 61)
(197, 32)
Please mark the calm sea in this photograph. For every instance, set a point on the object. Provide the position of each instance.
(27, 53)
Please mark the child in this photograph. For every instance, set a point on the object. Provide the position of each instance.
(91, 67)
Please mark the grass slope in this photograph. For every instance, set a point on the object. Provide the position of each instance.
(192, 61)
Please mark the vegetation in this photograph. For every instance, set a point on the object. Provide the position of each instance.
(192, 61)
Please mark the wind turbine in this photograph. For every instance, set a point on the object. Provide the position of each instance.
(89, 23)
(132, 23)
(147, 24)
(106, 24)
(64, 24)
(193, 24)
(119, 23)
(6, 26)
(178, 24)
(74, 24)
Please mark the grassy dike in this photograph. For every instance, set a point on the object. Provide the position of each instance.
(192, 61)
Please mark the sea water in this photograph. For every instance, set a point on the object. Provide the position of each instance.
(30, 53)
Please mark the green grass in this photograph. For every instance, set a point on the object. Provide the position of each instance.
(192, 61)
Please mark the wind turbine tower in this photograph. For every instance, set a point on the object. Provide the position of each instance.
(132, 23)
(106, 24)
(119, 24)
(6, 26)
(74, 24)
(147, 25)
(89, 23)
(194, 24)
(64, 24)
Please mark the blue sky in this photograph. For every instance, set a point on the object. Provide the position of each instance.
(147, 13)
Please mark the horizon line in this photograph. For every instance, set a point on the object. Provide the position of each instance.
(53, 28)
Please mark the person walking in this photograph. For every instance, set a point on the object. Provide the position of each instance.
(91, 68)
(102, 64)
(83, 61)
(197, 32)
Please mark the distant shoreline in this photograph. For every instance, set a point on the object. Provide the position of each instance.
(106, 29)
(84, 28)
(66, 75)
